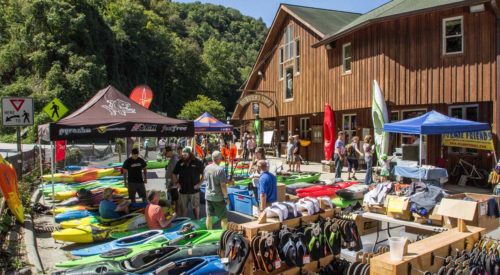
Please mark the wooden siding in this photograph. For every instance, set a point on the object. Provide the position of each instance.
(405, 57)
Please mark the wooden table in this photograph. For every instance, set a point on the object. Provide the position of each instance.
(389, 220)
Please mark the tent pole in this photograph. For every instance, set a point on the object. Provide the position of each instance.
(420, 158)
(41, 167)
(52, 167)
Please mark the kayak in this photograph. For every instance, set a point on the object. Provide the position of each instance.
(200, 238)
(90, 185)
(329, 132)
(181, 223)
(10, 190)
(98, 192)
(59, 210)
(198, 266)
(343, 203)
(83, 175)
(151, 164)
(323, 190)
(294, 178)
(171, 238)
(94, 218)
(243, 182)
(76, 217)
(138, 260)
(99, 232)
(380, 116)
(94, 199)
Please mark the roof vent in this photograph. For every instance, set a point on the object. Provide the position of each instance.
(477, 8)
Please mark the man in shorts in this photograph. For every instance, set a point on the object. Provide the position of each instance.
(187, 177)
(135, 176)
(216, 191)
(173, 158)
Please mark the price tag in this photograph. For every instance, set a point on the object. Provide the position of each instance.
(306, 259)
(277, 264)
(483, 208)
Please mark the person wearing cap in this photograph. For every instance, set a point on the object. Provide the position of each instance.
(267, 189)
(135, 176)
(187, 177)
(169, 169)
(216, 191)
(155, 217)
(108, 209)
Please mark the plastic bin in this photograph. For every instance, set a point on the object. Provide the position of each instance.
(231, 191)
(244, 202)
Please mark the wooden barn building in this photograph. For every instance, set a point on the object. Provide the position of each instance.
(426, 55)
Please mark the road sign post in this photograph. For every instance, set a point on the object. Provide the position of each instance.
(18, 112)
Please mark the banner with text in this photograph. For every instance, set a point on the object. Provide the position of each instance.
(481, 140)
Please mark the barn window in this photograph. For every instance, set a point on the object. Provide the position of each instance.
(453, 35)
(297, 56)
(280, 64)
(346, 58)
(289, 83)
(289, 43)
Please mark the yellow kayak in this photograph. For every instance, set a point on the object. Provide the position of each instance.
(64, 195)
(10, 191)
(98, 232)
(83, 176)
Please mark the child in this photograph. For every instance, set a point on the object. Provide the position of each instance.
(353, 154)
(386, 167)
(290, 148)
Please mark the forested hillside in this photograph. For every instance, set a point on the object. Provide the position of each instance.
(71, 48)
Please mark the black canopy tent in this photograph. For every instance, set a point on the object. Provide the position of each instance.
(111, 114)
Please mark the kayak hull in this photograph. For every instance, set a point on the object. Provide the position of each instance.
(329, 132)
(10, 191)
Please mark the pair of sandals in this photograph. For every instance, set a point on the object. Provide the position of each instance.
(292, 248)
(336, 267)
(311, 205)
(265, 252)
(333, 236)
(350, 235)
(316, 241)
(235, 248)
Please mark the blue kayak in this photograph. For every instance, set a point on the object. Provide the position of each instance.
(169, 234)
(195, 266)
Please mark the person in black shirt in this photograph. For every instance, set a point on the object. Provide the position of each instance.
(187, 177)
(135, 176)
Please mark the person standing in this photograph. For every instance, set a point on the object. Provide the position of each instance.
(338, 157)
(146, 148)
(267, 189)
(155, 217)
(173, 193)
(353, 153)
(161, 145)
(368, 152)
(135, 176)
(251, 145)
(216, 191)
(290, 148)
(187, 177)
(244, 140)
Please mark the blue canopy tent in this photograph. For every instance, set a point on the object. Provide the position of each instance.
(434, 123)
(206, 123)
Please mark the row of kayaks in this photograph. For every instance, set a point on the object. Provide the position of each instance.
(185, 248)
(288, 178)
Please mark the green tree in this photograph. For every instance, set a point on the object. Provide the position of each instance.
(196, 108)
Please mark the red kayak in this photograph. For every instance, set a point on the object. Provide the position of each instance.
(329, 132)
(323, 190)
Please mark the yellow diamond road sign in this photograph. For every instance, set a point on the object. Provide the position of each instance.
(55, 109)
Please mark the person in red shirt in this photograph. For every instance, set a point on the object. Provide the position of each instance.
(155, 217)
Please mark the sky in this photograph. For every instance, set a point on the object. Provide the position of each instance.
(266, 9)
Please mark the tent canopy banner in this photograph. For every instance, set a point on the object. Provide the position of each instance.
(481, 140)
(434, 123)
(206, 123)
(111, 114)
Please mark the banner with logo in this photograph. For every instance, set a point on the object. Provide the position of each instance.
(60, 150)
(481, 140)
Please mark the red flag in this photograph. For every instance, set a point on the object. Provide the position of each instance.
(60, 150)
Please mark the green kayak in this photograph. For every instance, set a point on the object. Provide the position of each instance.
(243, 182)
(343, 203)
(152, 164)
(295, 178)
(195, 224)
(194, 238)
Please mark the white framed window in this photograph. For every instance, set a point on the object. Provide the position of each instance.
(411, 113)
(349, 126)
(469, 112)
(288, 84)
(304, 128)
(280, 63)
(289, 43)
(453, 35)
(297, 56)
(346, 58)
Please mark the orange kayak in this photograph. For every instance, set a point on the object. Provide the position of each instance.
(10, 191)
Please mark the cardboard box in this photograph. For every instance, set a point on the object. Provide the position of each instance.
(432, 219)
(328, 168)
(379, 209)
(398, 207)
(365, 226)
(479, 208)
(281, 196)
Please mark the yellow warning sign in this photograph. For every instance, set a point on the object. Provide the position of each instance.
(55, 109)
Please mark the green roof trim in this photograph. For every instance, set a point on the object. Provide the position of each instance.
(323, 20)
(390, 9)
